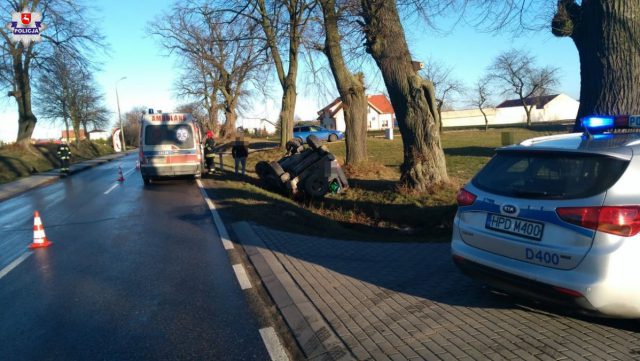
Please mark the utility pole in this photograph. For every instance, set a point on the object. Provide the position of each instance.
(124, 147)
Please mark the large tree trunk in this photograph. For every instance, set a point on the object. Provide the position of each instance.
(606, 36)
(22, 94)
(412, 97)
(287, 111)
(229, 127)
(350, 86)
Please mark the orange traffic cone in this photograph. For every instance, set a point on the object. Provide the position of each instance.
(39, 238)
(120, 175)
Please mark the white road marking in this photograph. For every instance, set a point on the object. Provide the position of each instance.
(241, 274)
(224, 235)
(14, 264)
(112, 188)
(115, 185)
(272, 342)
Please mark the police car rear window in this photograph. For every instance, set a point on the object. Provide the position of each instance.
(549, 175)
(179, 135)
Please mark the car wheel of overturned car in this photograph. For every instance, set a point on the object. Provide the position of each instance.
(277, 168)
(262, 169)
(316, 185)
(293, 145)
(299, 140)
(333, 137)
(313, 142)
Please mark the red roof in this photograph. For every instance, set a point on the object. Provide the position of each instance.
(380, 103)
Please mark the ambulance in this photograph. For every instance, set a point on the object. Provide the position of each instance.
(170, 146)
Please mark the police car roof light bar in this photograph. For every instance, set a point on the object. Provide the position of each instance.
(596, 124)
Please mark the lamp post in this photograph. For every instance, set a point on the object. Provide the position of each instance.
(124, 148)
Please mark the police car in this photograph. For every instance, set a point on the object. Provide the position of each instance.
(557, 219)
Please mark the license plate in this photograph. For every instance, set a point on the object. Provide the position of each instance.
(516, 226)
(158, 160)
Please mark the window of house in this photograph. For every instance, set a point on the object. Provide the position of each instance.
(385, 123)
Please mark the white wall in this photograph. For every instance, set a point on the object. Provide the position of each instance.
(99, 135)
(561, 107)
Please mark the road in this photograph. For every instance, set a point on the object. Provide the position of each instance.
(134, 273)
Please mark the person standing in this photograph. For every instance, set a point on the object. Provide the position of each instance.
(209, 152)
(240, 152)
(64, 154)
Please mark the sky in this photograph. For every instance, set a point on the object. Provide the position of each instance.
(150, 72)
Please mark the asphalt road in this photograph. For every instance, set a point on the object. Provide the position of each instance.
(134, 273)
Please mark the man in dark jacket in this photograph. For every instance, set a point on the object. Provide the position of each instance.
(64, 154)
(240, 152)
(209, 152)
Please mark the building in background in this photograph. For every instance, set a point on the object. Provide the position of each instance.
(72, 135)
(548, 108)
(98, 134)
(380, 114)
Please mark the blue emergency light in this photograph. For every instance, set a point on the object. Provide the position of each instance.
(598, 123)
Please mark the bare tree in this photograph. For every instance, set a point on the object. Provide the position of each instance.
(480, 97)
(444, 83)
(202, 86)
(132, 124)
(605, 33)
(413, 97)
(350, 85)
(67, 91)
(223, 52)
(516, 73)
(283, 23)
(71, 34)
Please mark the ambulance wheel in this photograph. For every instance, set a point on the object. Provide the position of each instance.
(146, 180)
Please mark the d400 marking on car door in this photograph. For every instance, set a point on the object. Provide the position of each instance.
(543, 257)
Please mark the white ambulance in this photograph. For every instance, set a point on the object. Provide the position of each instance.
(170, 146)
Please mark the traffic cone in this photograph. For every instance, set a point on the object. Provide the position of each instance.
(39, 238)
(120, 175)
(137, 165)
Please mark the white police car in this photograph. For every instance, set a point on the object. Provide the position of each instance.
(557, 219)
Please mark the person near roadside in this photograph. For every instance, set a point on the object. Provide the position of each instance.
(240, 152)
(209, 152)
(64, 154)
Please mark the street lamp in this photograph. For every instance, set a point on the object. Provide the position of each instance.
(124, 148)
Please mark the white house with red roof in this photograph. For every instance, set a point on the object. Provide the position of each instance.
(380, 114)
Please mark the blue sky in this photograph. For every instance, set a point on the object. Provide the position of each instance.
(150, 72)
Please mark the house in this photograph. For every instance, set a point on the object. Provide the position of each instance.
(99, 134)
(72, 135)
(547, 108)
(380, 114)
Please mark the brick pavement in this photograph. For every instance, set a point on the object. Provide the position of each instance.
(389, 301)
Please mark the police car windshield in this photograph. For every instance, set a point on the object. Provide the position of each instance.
(549, 175)
(179, 135)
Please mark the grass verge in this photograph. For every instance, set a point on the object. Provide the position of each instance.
(17, 162)
(374, 208)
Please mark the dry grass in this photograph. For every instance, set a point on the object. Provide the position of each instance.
(375, 207)
(17, 162)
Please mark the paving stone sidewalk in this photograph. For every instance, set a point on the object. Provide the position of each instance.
(387, 301)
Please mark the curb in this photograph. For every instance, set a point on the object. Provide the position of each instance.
(315, 336)
(12, 189)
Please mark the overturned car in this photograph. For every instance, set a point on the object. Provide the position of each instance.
(312, 171)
